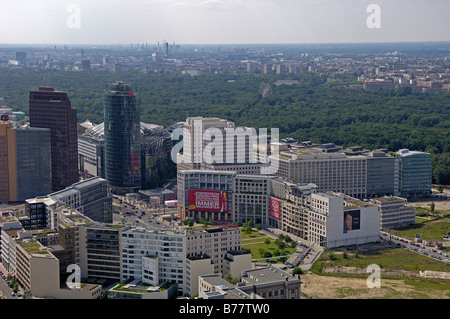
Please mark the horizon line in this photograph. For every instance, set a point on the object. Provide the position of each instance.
(229, 44)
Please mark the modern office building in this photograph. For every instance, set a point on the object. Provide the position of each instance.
(205, 194)
(36, 213)
(212, 251)
(26, 162)
(394, 212)
(100, 251)
(49, 108)
(8, 189)
(37, 271)
(382, 175)
(156, 145)
(194, 144)
(33, 161)
(158, 256)
(122, 139)
(9, 227)
(90, 197)
(213, 141)
(250, 198)
(330, 171)
(91, 153)
(415, 173)
(326, 219)
(155, 256)
(357, 172)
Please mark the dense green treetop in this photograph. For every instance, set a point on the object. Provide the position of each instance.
(314, 109)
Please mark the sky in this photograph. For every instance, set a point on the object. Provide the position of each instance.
(222, 21)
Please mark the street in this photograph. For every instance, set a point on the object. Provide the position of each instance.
(417, 247)
(5, 290)
(132, 213)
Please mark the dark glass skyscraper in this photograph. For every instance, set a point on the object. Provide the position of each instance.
(52, 109)
(122, 139)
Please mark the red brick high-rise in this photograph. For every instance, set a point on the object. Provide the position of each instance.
(51, 109)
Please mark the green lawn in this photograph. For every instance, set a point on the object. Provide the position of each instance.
(396, 258)
(255, 241)
(428, 230)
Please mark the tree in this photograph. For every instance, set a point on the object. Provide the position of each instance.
(211, 221)
(344, 254)
(432, 206)
(259, 227)
(267, 241)
(267, 254)
(440, 188)
(228, 277)
(191, 222)
(261, 252)
(297, 271)
(250, 223)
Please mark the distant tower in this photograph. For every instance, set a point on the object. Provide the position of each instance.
(85, 65)
(122, 139)
(21, 57)
(82, 53)
(166, 49)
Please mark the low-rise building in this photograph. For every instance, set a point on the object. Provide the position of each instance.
(267, 283)
(394, 212)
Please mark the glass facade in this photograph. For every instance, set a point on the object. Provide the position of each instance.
(122, 139)
(33, 158)
(52, 109)
(415, 173)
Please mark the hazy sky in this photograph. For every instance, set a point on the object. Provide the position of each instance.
(220, 21)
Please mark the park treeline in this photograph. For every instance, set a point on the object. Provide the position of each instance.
(314, 109)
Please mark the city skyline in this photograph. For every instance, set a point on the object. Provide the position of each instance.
(228, 22)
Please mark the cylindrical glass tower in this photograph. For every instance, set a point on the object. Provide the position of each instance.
(122, 139)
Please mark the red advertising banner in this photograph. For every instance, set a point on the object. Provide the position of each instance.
(135, 161)
(211, 201)
(274, 208)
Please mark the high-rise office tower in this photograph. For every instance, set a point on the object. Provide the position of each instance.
(122, 139)
(52, 109)
(25, 162)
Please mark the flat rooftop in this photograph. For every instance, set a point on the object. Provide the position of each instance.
(266, 275)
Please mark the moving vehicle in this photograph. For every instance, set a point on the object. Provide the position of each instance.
(171, 203)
